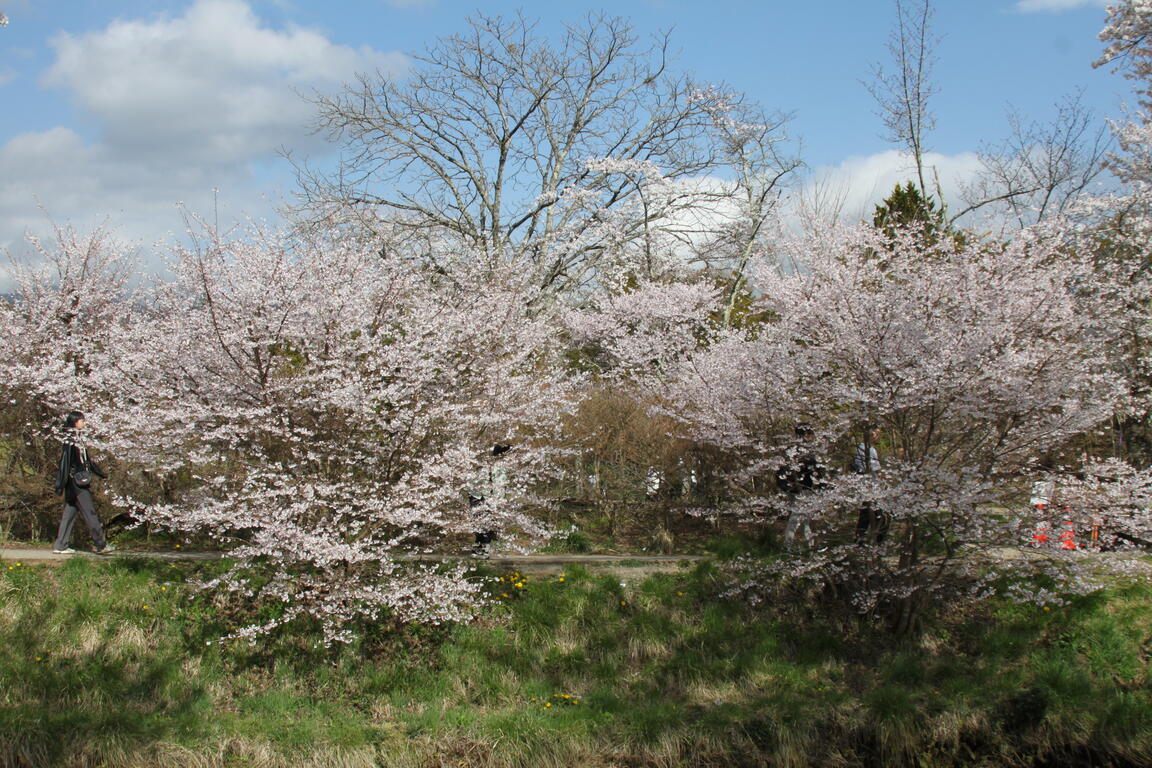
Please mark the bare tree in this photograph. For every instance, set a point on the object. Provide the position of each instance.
(903, 94)
(1041, 168)
(820, 202)
(491, 143)
(1038, 171)
(756, 160)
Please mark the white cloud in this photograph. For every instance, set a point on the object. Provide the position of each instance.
(1044, 6)
(213, 85)
(86, 184)
(845, 193)
(181, 105)
(854, 187)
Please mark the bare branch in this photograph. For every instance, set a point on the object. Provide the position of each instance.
(903, 96)
(1041, 168)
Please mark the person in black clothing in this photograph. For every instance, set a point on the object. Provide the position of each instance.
(801, 475)
(489, 485)
(872, 522)
(73, 480)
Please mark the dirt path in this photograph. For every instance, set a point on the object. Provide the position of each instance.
(636, 566)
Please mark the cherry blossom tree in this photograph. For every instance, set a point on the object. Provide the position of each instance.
(1118, 226)
(974, 359)
(327, 411)
(1127, 38)
(69, 294)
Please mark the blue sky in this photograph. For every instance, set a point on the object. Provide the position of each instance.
(118, 110)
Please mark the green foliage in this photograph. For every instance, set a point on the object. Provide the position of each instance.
(906, 206)
(764, 542)
(573, 541)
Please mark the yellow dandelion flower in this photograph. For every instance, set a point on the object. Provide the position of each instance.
(549, 704)
(37, 658)
(505, 594)
(519, 585)
(623, 603)
(163, 589)
(560, 579)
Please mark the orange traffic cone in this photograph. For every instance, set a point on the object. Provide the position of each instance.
(1068, 536)
(1040, 536)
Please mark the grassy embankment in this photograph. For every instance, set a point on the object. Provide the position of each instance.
(116, 663)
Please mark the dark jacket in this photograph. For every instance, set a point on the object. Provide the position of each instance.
(72, 459)
(805, 473)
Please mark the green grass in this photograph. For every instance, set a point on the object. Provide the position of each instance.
(578, 670)
(570, 541)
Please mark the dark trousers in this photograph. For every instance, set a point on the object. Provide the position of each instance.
(483, 538)
(88, 511)
(871, 523)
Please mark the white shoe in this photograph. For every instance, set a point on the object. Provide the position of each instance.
(107, 548)
(68, 551)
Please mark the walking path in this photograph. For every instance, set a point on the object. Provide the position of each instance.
(38, 555)
(544, 563)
